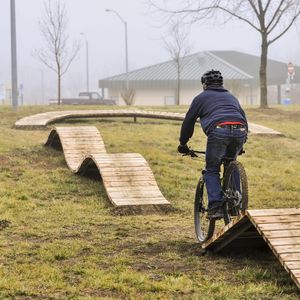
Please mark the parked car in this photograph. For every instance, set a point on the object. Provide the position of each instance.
(86, 98)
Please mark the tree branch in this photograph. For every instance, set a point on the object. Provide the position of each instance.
(254, 8)
(275, 14)
(286, 29)
(238, 17)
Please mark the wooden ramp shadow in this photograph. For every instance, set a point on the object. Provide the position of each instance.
(277, 228)
(127, 177)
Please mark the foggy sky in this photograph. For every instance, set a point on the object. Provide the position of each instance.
(105, 34)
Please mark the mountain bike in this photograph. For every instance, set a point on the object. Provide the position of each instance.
(235, 196)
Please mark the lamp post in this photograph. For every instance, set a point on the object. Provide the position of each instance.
(87, 61)
(14, 72)
(126, 44)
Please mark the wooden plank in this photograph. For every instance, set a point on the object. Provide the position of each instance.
(77, 129)
(101, 165)
(128, 173)
(128, 184)
(132, 191)
(290, 256)
(127, 155)
(120, 166)
(274, 212)
(284, 241)
(279, 226)
(138, 199)
(219, 235)
(79, 137)
(277, 219)
(293, 265)
(129, 179)
(125, 169)
(74, 148)
(132, 188)
(139, 195)
(296, 273)
(145, 201)
(281, 233)
(71, 151)
(77, 154)
(78, 133)
(90, 143)
(77, 147)
(287, 248)
(83, 136)
(116, 160)
(228, 240)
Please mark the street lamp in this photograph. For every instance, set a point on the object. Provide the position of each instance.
(87, 60)
(126, 44)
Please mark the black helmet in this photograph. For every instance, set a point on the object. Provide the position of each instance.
(212, 77)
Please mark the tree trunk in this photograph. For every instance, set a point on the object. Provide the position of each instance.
(59, 88)
(178, 91)
(178, 85)
(263, 73)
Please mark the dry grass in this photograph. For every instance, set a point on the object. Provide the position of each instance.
(60, 238)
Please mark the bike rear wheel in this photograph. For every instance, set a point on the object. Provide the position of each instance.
(235, 188)
(204, 228)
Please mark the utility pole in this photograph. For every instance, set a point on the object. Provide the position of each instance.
(87, 62)
(14, 69)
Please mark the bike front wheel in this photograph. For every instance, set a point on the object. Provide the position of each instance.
(235, 188)
(204, 228)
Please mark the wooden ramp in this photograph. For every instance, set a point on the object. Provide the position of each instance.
(127, 177)
(277, 228)
(43, 119)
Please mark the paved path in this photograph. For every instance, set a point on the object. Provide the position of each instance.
(43, 119)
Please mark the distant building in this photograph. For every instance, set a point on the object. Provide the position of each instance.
(156, 84)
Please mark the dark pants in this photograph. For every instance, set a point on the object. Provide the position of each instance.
(221, 142)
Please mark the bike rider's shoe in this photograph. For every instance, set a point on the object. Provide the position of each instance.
(215, 213)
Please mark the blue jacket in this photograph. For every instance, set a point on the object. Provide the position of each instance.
(213, 106)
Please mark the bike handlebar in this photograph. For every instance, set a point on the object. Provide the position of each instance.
(193, 153)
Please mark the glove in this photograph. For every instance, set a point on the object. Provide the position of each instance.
(241, 151)
(183, 149)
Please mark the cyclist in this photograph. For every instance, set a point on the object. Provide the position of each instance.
(225, 124)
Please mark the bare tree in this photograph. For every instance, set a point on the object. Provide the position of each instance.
(270, 18)
(176, 43)
(128, 96)
(56, 55)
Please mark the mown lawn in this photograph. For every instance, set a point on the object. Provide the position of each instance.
(60, 238)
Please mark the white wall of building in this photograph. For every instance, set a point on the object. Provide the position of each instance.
(161, 97)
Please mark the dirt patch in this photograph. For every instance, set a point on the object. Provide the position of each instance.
(4, 159)
(143, 210)
(4, 224)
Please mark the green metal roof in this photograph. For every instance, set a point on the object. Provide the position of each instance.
(276, 70)
(233, 65)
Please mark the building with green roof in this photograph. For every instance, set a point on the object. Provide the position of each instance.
(157, 84)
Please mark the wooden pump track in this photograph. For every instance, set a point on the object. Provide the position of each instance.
(277, 228)
(43, 119)
(127, 177)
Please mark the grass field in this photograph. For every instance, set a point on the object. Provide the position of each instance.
(61, 239)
